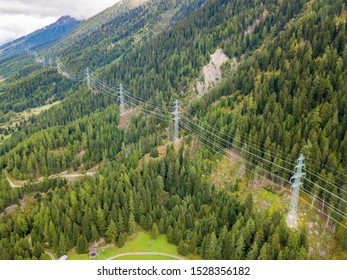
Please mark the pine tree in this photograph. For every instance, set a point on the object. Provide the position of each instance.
(161, 226)
(177, 235)
(120, 223)
(37, 250)
(62, 247)
(95, 233)
(111, 232)
(253, 252)
(263, 255)
(53, 237)
(148, 222)
(82, 245)
(302, 255)
(169, 234)
(282, 231)
(240, 248)
(193, 245)
(101, 223)
(121, 240)
(183, 248)
(211, 249)
(131, 223)
(155, 231)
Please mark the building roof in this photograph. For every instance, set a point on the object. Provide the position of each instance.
(93, 251)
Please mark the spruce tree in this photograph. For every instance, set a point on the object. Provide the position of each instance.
(62, 247)
(82, 245)
(155, 231)
(111, 232)
(131, 223)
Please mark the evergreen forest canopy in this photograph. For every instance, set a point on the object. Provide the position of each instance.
(286, 97)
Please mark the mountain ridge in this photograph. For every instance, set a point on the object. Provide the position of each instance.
(39, 39)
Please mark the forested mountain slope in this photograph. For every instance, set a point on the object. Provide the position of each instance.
(95, 43)
(113, 33)
(286, 97)
(290, 97)
(38, 40)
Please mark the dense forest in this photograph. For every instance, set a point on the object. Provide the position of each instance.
(290, 97)
(38, 88)
(287, 96)
(167, 194)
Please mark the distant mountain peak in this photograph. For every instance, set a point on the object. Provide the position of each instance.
(41, 38)
(65, 20)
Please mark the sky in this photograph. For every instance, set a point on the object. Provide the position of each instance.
(21, 17)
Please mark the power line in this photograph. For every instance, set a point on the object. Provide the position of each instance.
(235, 138)
(264, 170)
(235, 146)
(325, 190)
(239, 139)
(210, 147)
(329, 217)
(156, 114)
(325, 166)
(109, 91)
(207, 131)
(337, 186)
(234, 154)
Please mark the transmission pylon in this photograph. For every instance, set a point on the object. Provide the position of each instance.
(50, 62)
(88, 79)
(121, 99)
(58, 65)
(43, 61)
(176, 120)
(293, 208)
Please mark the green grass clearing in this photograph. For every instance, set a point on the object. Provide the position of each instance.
(144, 257)
(4, 137)
(141, 242)
(225, 172)
(25, 115)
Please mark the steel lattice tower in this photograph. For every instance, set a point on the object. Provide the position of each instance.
(176, 120)
(293, 208)
(58, 65)
(121, 99)
(88, 79)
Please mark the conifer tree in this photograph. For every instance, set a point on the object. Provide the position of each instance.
(111, 232)
(62, 247)
(82, 245)
(131, 224)
(154, 231)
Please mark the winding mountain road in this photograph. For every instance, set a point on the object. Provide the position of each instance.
(13, 185)
(50, 254)
(146, 253)
(66, 176)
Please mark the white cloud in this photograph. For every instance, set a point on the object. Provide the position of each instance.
(21, 17)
